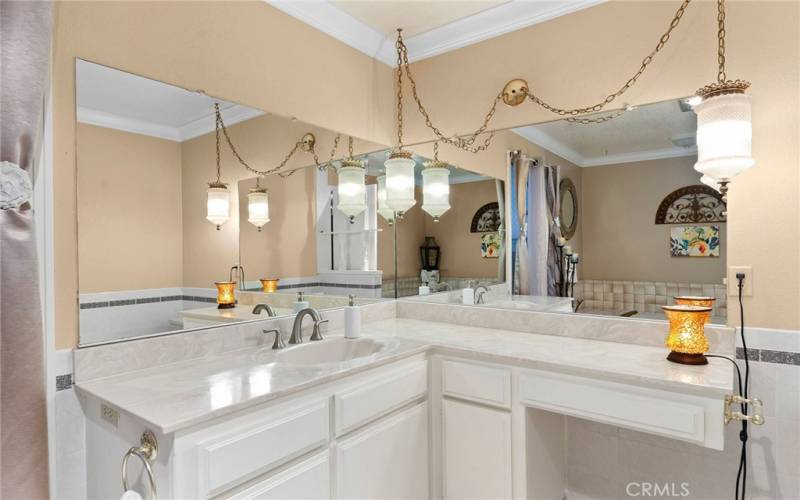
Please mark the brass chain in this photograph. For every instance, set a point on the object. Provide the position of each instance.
(350, 147)
(676, 19)
(219, 170)
(721, 77)
(220, 125)
(466, 143)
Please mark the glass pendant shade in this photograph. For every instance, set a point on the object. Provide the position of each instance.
(400, 183)
(436, 190)
(352, 191)
(724, 134)
(383, 208)
(218, 204)
(258, 207)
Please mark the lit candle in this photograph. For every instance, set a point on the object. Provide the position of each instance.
(561, 242)
(567, 250)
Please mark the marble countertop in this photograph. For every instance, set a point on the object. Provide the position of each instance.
(177, 396)
(238, 313)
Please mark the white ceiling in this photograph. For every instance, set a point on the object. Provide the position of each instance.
(111, 98)
(654, 131)
(431, 27)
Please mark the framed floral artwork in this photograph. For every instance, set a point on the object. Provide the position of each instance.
(490, 245)
(694, 241)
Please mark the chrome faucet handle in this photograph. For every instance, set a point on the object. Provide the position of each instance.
(279, 342)
(317, 334)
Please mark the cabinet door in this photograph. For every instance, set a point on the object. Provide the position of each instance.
(386, 460)
(309, 479)
(477, 451)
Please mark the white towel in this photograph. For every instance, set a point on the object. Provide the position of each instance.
(131, 495)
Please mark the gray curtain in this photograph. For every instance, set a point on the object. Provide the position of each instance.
(552, 178)
(538, 233)
(25, 37)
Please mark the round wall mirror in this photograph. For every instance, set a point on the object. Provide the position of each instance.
(568, 211)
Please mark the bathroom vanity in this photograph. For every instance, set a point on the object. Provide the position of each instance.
(414, 409)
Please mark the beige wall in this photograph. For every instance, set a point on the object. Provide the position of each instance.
(620, 239)
(286, 246)
(461, 249)
(592, 52)
(129, 210)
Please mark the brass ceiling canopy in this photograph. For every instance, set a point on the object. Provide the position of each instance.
(723, 88)
(307, 142)
(515, 92)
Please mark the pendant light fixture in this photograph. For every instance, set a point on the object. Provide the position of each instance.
(400, 165)
(352, 189)
(724, 128)
(383, 208)
(258, 205)
(218, 202)
(436, 186)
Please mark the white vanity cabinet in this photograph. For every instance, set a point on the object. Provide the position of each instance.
(363, 436)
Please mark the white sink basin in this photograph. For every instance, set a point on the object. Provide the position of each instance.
(335, 350)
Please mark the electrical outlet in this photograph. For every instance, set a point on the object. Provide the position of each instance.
(733, 283)
(109, 414)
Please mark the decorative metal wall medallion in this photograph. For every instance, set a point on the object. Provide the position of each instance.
(691, 204)
(486, 219)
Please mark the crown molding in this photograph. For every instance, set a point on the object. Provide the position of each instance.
(109, 120)
(490, 23)
(329, 19)
(654, 154)
(557, 147)
(496, 21)
(232, 115)
(547, 142)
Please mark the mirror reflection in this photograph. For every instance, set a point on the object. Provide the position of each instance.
(159, 200)
(611, 218)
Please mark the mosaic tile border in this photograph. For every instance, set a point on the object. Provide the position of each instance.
(63, 382)
(145, 300)
(770, 356)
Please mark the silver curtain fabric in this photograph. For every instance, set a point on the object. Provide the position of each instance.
(538, 231)
(551, 187)
(25, 38)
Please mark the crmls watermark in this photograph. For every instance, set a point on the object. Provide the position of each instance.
(658, 490)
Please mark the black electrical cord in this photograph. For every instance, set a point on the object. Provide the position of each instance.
(741, 474)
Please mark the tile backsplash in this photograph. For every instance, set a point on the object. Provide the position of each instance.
(645, 296)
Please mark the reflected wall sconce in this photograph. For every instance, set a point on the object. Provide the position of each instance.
(383, 207)
(258, 205)
(686, 339)
(226, 294)
(218, 198)
(435, 186)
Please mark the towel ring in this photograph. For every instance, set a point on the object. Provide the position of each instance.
(147, 451)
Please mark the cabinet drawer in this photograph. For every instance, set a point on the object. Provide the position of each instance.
(267, 440)
(309, 479)
(674, 415)
(481, 383)
(391, 389)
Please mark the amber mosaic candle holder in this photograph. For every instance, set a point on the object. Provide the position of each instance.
(686, 339)
(226, 294)
(269, 285)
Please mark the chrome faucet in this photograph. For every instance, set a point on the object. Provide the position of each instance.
(239, 276)
(297, 328)
(264, 307)
(279, 342)
(480, 293)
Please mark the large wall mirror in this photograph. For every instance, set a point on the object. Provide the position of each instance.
(148, 256)
(611, 218)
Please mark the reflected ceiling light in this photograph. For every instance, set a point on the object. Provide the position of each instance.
(724, 128)
(435, 186)
(400, 182)
(352, 189)
(218, 201)
(258, 205)
(383, 208)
